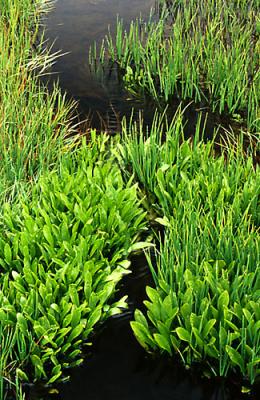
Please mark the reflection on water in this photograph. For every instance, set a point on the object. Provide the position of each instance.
(74, 25)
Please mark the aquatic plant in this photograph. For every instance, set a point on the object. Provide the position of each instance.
(171, 169)
(10, 362)
(207, 52)
(205, 307)
(34, 123)
(33, 126)
(205, 303)
(62, 254)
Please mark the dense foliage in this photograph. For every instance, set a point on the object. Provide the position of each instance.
(205, 305)
(62, 254)
(70, 219)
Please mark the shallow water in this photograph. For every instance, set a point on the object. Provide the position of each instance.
(73, 26)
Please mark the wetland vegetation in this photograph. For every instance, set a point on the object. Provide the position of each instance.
(74, 209)
(207, 53)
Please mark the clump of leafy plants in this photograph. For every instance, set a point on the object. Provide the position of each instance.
(62, 253)
(205, 304)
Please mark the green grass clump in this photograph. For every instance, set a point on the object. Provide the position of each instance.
(9, 361)
(62, 254)
(205, 51)
(33, 123)
(205, 305)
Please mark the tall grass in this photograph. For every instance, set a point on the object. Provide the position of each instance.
(33, 122)
(10, 363)
(204, 51)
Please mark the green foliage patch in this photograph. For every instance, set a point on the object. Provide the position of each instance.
(62, 254)
(205, 305)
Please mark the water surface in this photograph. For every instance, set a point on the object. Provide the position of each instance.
(73, 26)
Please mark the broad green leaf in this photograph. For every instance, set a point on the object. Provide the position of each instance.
(140, 246)
(223, 336)
(22, 324)
(139, 317)
(163, 342)
(54, 378)
(7, 253)
(208, 326)
(48, 235)
(142, 334)
(163, 221)
(75, 332)
(152, 294)
(183, 334)
(23, 377)
(38, 364)
(199, 339)
(223, 300)
(235, 357)
(94, 317)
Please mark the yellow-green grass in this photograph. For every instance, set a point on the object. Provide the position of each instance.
(33, 124)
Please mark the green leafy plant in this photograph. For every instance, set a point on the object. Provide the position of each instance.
(205, 304)
(62, 255)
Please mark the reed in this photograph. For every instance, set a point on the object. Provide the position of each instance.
(10, 363)
(207, 52)
(34, 122)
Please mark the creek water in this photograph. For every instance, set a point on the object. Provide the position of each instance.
(72, 27)
(117, 368)
(75, 25)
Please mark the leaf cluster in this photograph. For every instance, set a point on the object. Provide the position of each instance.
(205, 304)
(62, 254)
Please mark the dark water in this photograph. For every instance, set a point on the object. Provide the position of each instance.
(73, 26)
(120, 370)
